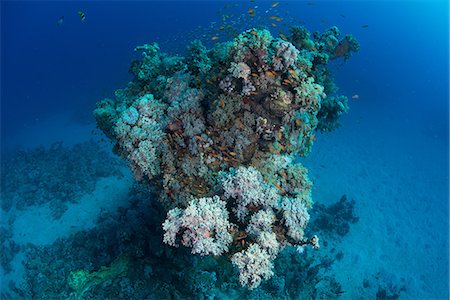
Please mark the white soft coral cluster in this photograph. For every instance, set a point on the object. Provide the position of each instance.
(254, 265)
(240, 70)
(203, 225)
(259, 209)
(247, 187)
(185, 104)
(295, 217)
(260, 229)
(139, 134)
(286, 56)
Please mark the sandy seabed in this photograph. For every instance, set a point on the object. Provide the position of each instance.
(397, 173)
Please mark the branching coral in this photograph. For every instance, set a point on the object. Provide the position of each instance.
(58, 175)
(217, 133)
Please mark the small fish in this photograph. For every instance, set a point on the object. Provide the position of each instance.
(270, 73)
(280, 136)
(254, 32)
(276, 18)
(214, 38)
(275, 4)
(277, 186)
(365, 26)
(251, 12)
(282, 36)
(312, 138)
(82, 16)
(355, 96)
(343, 16)
(274, 25)
(221, 27)
(60, 21)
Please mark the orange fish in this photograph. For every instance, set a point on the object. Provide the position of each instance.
(275, 18)
(254, 32)
(312, 138)
(278, 186)
(270, 73)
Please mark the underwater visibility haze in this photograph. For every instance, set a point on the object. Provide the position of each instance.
(224, 149)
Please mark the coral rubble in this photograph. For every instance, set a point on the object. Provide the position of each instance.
(57, 175)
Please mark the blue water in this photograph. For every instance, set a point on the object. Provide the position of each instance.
(391, 153)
